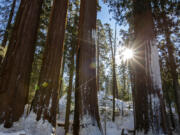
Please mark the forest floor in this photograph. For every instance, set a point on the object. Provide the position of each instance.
(124, 121)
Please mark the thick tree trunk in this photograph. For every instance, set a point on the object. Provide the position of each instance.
(16, 67)
(150, 115)
(89, 115)
(6, 34)
(68, 105)
(45, 102)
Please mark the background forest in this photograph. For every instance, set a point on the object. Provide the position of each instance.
(89, 67)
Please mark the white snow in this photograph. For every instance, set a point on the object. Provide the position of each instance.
(29, 125)
(33, 127)
(89, 127)
(124, 115)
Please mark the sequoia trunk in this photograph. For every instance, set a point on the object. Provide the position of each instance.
(45, 102)
(150, 113)
(16, 67)
(89, 115)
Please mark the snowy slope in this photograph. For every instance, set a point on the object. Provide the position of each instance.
(124, 119)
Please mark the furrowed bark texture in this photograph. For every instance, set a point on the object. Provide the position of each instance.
(87, 66)
(45, 102)
(150, 113)
(16, 67)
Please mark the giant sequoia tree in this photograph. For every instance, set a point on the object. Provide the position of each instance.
(86, 75)
(45, 102)
(149, 104)
(16, 67)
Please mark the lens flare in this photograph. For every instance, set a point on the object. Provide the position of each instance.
(127, 54)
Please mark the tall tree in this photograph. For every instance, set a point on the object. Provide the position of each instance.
(87, 104)
(114, 81)
(149, 105)
(16, 67)
(166, 28)
(40, 43)
(73, 41)
(45, 102)
(6, 34)
(102, 49)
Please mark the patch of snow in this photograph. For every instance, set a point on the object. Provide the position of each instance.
(34, 127)
(28, 126)
(14, 133)
(89, 126)
(60, 131)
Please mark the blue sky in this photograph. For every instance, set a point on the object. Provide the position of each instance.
(107, 17)
(104, 14)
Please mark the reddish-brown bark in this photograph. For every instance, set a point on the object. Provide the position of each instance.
(88, 104)
(16, 67)
(45, 102)
(150, 112)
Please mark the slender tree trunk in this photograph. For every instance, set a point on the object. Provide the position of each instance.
(87, 70)
(8, 27)
(114, 86)
(172, 65)
(17, 65)
(45, 102)
(170, 109)
(76, 124)
(61, 77)
(150, 115)
(124, 82)
(116, 90)
(114, 94)
(98, 34)
(68, 105)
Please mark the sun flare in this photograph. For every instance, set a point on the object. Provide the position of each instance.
(127, 54)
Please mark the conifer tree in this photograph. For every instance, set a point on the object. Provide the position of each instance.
(86, 91)
(45, 102)
(16, 67)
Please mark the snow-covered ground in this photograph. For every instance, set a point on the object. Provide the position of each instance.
(124, 118)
